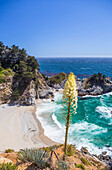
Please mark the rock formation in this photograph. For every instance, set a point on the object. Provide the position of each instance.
(29, 95)
(6, 90)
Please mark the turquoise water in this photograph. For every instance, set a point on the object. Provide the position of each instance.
(90, 127)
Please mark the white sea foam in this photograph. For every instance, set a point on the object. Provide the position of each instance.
(89, 96)
(92, 148)
(55, 131)
(105, 112)
(56, 121)
(87, 127)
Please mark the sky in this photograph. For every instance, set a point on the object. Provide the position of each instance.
(50, 28)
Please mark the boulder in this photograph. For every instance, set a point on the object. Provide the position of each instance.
(45, 94)
(84, 150)
(97, 91)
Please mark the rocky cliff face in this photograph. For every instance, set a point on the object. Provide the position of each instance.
(86, 88)
(6, 90)
(28, 96)
(95, 88)
(30, 93)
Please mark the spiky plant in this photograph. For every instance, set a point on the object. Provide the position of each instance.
(62, 165)
(39, 157)
(69, 103)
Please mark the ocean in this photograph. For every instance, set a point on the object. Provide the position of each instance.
(81, 67)
(91, 127)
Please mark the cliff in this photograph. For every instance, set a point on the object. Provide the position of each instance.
(6, 79)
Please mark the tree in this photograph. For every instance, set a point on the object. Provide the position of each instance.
(69, 103)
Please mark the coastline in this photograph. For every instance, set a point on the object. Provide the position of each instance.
(20, 128)
(46, 140)
(46, 125)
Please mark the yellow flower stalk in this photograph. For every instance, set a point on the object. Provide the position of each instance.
(69, 102)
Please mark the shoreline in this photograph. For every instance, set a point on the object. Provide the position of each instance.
(46, 140)
(20, 128)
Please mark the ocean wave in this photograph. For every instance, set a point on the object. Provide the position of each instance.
(93, 149)
(56, 121)
(89, 96)
(87, 127)
(105, 112)
(87, 68)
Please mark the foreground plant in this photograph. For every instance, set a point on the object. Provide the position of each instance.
(38, 157)
(62, 165)
(69, 103)
(8, 166)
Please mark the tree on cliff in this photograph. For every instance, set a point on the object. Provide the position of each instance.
(69, 103)
(20, 63)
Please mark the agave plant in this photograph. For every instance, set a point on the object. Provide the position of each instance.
(62, 165)
(39, 157)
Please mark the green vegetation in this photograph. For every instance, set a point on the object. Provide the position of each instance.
(9, 150)
(84, 161)
(7, 166)
(96, 79)
(49, 149)
(4, 74)
(57, 79)
(89, 163)
(21, 64)
(80, 166)
(70, 150)
(38, 157)
(62, 165)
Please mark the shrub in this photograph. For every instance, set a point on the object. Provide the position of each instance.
(57, 79)
(84, 161)
(70, 150)
(8, 166)
(80, 166)
(62, 165)
(15, 94)
(9, 150)
(2, 80)
(89, 163)
(39, 157)
(49, 149)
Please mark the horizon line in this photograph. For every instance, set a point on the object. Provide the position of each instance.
(78, 56)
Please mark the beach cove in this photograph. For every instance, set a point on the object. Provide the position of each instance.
(20, 129)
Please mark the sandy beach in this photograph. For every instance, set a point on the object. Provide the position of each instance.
(20, 128)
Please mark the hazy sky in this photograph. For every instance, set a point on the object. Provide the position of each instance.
(58, 27)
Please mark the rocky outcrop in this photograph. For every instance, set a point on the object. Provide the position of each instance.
(6, 90)
(87, 88)
(28, 96)
(95, 88)
(45, 94)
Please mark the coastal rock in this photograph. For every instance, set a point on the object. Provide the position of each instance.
(84, 150)
(97, 91)
(46, 94)
(6, 90)
(28, 96)
(94, 88)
